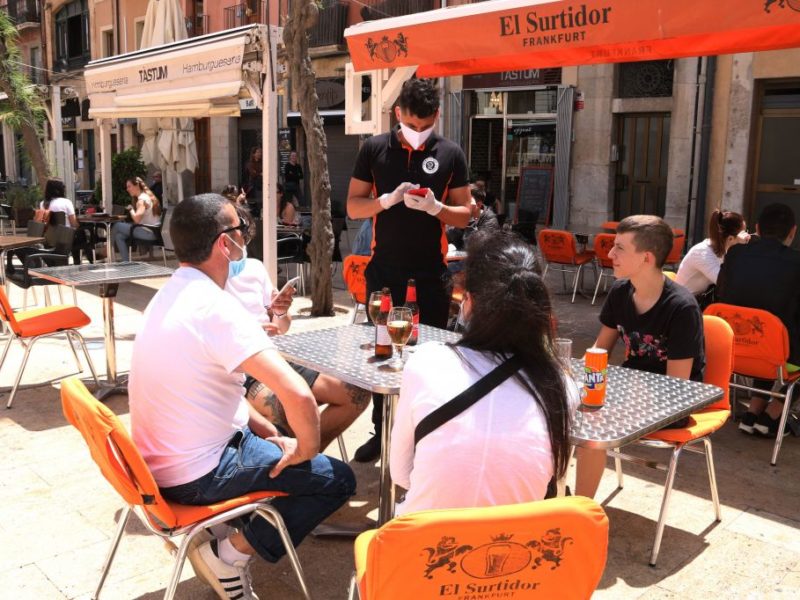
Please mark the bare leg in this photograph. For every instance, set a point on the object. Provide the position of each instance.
(588, 470)
(774, 409)
(758, 404)
(241, 544)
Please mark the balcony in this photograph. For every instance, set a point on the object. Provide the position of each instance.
(396, 8)
(24, 13)
(243, 13)
(329, 31)
(197, 26)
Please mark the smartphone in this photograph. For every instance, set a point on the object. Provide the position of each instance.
(422, 192)
(292, 282)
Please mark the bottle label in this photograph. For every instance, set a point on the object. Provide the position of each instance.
(382, 336)
(415, 330)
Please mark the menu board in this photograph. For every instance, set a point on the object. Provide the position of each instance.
(534, 193)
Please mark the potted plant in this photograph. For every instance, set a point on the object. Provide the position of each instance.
(124, 165)
(23, 201)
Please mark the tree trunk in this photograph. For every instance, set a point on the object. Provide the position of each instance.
(302, 17)
(22, 116)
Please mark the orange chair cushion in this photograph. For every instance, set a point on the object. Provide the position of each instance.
(551, 549)
(701, 424)
(188, 515)
(35, 322)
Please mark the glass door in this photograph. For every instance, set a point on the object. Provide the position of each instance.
(529, 143)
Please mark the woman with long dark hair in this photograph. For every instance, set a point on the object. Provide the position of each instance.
(146, 211)
(55, 200)
(699, 269)
(506, 447)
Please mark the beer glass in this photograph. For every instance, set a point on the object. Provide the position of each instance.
(400, 325)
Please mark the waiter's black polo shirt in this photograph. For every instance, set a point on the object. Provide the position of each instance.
(402, 237)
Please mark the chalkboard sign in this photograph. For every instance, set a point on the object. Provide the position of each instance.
(534, 193)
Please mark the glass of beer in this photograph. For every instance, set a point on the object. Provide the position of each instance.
(373, 309)
(400, 324)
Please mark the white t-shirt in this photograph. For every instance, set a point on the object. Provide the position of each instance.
(148, 218)
(699, 268)
(186, 398)
(495, 452)
(253, 288)
(61, 205)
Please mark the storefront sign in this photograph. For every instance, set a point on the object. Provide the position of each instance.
(504, 79)
(286, 143)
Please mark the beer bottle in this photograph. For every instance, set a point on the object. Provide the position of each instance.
(383, 343)
(411, 302)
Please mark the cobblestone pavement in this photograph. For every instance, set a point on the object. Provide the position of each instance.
(57, 513)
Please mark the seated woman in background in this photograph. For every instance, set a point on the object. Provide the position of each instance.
(147, 211)
(507, 446)
(287, 213)
(700, 267)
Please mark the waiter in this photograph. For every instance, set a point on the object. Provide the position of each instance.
(409, 239)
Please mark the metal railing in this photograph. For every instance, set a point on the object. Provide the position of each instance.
(24, 11)
(243, 13)
(396, 8)
(329, 30)
(197, 26)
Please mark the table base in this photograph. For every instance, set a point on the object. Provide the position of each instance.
(387, 490)
(108, 388)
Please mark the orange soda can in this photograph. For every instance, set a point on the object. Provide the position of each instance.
(595, 376)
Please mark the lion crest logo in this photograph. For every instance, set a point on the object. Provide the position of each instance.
(387, 50)
(793, 4)
(443, 554)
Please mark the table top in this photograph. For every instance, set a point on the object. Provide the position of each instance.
(336, 351)
(117, 272)
(637, 403)
(10, 242)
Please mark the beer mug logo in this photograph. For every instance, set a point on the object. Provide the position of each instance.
(500, 558)
(593, 379)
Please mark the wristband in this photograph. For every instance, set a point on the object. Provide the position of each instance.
(280, 316)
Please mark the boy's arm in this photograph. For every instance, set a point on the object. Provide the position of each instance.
(606, 338)
(680, 368)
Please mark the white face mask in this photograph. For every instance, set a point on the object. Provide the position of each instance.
(415, 139)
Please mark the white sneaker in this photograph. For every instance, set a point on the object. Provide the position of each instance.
(230, 582)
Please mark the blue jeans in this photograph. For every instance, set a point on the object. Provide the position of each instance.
(316, 488)
(121, 233)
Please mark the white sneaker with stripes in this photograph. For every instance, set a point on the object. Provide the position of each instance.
(230, 582)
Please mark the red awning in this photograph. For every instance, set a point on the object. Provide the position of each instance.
(506, 35)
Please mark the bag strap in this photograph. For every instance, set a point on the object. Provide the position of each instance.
(454, 407)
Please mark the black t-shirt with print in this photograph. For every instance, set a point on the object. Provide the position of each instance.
(671, 329)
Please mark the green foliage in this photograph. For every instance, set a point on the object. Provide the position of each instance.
(13, 79)
(23, 197)
(125, 165)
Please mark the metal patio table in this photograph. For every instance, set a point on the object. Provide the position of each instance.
(108, 276)
(106, 221)
(637, 403)
(13, 242)
(336, 352)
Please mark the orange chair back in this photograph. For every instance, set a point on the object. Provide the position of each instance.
(557, 246)
(7, 313)
(551, 549)
(719, 357)
(114, 452)
(760, 340)
(678, 243)
(353, 268)
(603, 243)
(612, 225)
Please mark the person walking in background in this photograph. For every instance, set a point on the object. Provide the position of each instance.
(293, 180)
(409, 232)
(699, 269)
(253, 178)
(523, 423)
(146, 210)
(157, 187)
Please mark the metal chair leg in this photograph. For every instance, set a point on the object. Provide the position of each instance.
(353, 593)
(712, 478)
(544, 274)
(180, 559)
(787, 404)
(123, 520)
(74, 296)
(597, 286)
(618, 467)
(60, 295)
(28, 347)
(5, 349)
(575, 282)
(274, 518)
(342, 449)
(88, 356)
(164, 255)
(662, 517)
(71, 343)
(24, 299)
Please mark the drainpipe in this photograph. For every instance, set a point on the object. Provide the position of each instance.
(701, 210)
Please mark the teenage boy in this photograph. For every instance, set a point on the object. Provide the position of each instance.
(766, 275)
(658, 320)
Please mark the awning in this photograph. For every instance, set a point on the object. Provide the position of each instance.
(199, 77)
(506, 35)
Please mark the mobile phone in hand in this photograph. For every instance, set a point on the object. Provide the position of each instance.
(422, 192)
(291, 283)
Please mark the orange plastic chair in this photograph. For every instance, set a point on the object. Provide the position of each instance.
(719, 366)
(603, 243)
(27, 327)
(678, 244)
(761, 349)
(548, 549)
(124, 468)
(559, 248)
(611, 225)
(353, 268)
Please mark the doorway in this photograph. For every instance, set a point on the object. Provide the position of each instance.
(776, 169)
(202, 139)
(640, 185)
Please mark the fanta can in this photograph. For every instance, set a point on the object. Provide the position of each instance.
(595, 376)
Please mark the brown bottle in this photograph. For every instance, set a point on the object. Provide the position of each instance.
(411, 302)
(383, 343)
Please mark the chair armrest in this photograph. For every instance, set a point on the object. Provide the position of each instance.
(44, 259)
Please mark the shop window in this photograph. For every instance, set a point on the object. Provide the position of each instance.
(72, 36)
(647, 79)
(532, 102)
